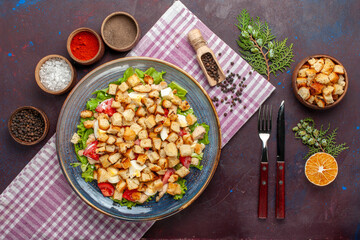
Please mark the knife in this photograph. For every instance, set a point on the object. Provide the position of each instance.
(280, 164)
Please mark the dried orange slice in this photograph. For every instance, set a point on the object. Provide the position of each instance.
(321, 169)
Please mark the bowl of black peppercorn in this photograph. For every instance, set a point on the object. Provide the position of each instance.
(28, 125)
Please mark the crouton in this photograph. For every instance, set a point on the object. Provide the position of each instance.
(198, 133)
(148, 102)
(150, 121)
(131, 106)
(113, 130)
(153, 156)
(171, 150)
(125, 162)
(302, 73)
(338, 89)
(128, 114)
(152, 109)
(143, 134)
(185, 150)
(154, 167)
(311, 99)
(176, 100)
(103, 175)
(311, 74)
(112, 89)
(312, 61)
(333, 77)
(142, 159)
(130, 154)
(163, 163)
(142, 88)
(146, 143)
(100, 150)
(75, 138)
(184, 106)
(175, 126)
(113, 158)
(116, 104)
(167, 122)
(339, 69)
(104, 160)
(159, 118)
(116, 119)
(147, 177)
(110, 148)
(301, 82)
(319, 102)
(173, 178)
(191, 119)
(140, 112)
(136, 128)
(103, 123)
(154, 94)
(172, 137)
(156, 143)
(129, 134)
(188, 139)
(123, 87)
(341, 81)
(160, 110)
(328, 99)
(166, 103)
(318, 66)
(133, 81)
(173, 189)
(316, 88)
(141, 122)
(138, 149)
(132, 183)
(198, 148)
(179, 142)
(158, 128)
(182, 172)
(148, 79)
(173, 161)
(124, 173)
(304, 93)
(89, 124)
(86, 114)
(328, 90)
(305, 66)
(102, 137)
(153, 135)
(120, 186)
(121, 132)
(328, 67)
(90, 139)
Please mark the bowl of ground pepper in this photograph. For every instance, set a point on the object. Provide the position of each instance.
(28, 125)
(85, 46)
(120, 31)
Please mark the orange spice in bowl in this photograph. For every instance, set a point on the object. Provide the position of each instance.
(85, 46)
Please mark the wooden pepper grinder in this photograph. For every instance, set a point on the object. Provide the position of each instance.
(206, 58)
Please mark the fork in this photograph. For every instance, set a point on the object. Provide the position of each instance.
(264, 129)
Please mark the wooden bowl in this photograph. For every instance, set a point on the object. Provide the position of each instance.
(46, 129)
(37, 75)
(295, 89)
(99, 54)
(121, 27)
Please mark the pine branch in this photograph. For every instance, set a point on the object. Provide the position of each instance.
(283, 57)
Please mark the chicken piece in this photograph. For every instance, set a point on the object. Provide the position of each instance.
(186, 150)
(191, 119)
(75, 138)
(174, 189)
(182, 172)
(198, 133)
(142, 88)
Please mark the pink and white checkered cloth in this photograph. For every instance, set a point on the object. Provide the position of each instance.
(39, 203)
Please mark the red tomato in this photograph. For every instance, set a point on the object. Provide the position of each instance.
(182, 132)
(90, 151)
(128, 194)
(185, 161)
(106, 189)
(105, 107)
(167, 175)
(166, 112)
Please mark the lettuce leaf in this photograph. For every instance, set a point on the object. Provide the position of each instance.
(185, 113)
(124, 202)
(139, 73)
(101, 95)
(88, 175)
(157, 76)
(182, 183)
(128, 73)
(205, 139)
(181, 92)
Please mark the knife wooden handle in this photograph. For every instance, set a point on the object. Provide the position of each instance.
(280, 190)
(263, 190)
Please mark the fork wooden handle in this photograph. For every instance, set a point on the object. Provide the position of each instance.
(263, 191)
(280, 190)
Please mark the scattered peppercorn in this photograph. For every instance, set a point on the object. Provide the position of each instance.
(27, 125)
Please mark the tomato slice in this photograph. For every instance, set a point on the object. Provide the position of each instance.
(185, 161)
(167, 175)
(106, 189)
(90, 151)
(128, 194)
(182, 132)
(105, 107)
(166, 112)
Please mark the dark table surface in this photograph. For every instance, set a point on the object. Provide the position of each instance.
(32, 29)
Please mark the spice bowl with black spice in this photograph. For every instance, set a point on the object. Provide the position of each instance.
(54, 74)
(85, 46)
(28, 125)
(120, 31)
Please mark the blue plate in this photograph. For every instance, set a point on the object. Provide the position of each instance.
(69, 117)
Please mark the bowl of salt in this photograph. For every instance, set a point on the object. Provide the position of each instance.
(54, 74)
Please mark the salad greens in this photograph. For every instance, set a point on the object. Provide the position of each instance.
(101, 95)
